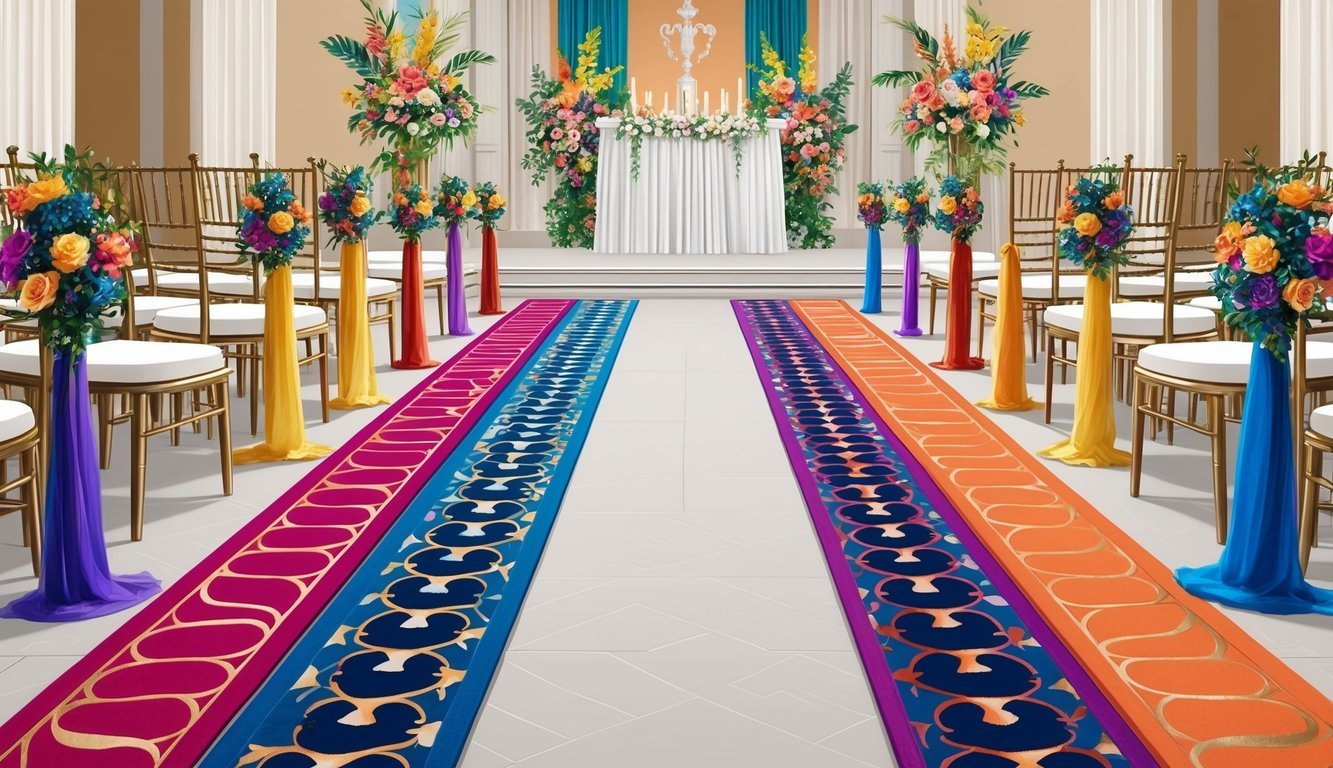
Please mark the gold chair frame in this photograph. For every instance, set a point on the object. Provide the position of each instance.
(29, 503)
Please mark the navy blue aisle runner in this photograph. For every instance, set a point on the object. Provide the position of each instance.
(395, 671)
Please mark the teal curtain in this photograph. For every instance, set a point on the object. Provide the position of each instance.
(575, 18)
(784, 23)
(409, 12)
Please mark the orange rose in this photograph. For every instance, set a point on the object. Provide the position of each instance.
(281, 223)
(1297, 194)
(1088, 224)
(360, 205)
(1066, 213)
(1300, 294)
(39, 291)
(299, 212)
(69, 252)
(45, 191)
(17, 199)
(252, 203)
(1261, 255)
(1114, 200)
(1229, 242)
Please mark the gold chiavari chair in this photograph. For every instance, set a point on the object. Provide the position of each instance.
(1203, 205)
(19, 440)
(1154, 194)
(237, 327)
(1034, 200)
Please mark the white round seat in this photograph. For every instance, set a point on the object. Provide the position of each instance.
(146, 309)
(330, 286)
(1321, 420)
(232, 319)
(124, 362)
(1140, 286)
(942, 257)
(1037, 287)
(1211, 303)
(1137, 319)
(383, 270)
(224, 283)
(980, 271)
(1224, 362)
(396, 257)
(16, 420)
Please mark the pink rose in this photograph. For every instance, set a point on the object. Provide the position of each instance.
(437, 119)
(923, 90)
(981, 114)
(984, 80)
(912, 126)
(411, 80)
(391, 116)
(956, 125)
(557, 134)
(976, 98)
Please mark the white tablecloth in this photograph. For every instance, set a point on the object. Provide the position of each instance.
(689, 197)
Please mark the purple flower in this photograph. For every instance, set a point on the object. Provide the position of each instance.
(1263, 292)
(12, 254)
(1319, 250)
(257, 235)
(326, 202)
(1108, 238)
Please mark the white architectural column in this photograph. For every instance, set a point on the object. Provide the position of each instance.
(234, 78)
(37, 50)
(1307, 77)
(1131, 76)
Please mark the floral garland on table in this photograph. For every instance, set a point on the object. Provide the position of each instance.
(66, 259)
(346, 207)
(407, 99)
(911, 208)
(968, 105)
(733, 129)
(959, 211)
(275, 226)
(562, 114)
(1095, 224)
(813, 141)
(871, 208)
(455, 201)
(412, 213)
(491, 205)
(1274, 247)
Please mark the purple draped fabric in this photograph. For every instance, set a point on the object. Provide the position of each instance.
(454, 285)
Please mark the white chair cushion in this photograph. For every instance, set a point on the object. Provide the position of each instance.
(942, 257)
(1155, 285)
(396, 257)
(125, 362)
(1224, 362)
(1211, 303)
(980, 271)
(15, 419)
(1037, 287)
(330, 286)
(225, 283)
(147, 307)
(383, 270)
(1321, 420)
(1137, 318)
(232, 319)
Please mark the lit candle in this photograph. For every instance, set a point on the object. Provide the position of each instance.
(633, 94)
(740, 94)
(707, 110)
(666, 102)
(648, 100)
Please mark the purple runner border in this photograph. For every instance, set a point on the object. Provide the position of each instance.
(1111, 719)
(53, 695)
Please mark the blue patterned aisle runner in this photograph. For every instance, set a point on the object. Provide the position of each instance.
(395, 671)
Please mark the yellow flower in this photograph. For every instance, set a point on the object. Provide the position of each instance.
(902, 205)
(69, 252)
(585, 165)
(1019, 120)
(281, 223)
(45, 191)
(1260, 255)
(974, 29)
(425, 208)
(1087, 224)
(1300, 294)
(360, 206)
(397, 45)
(351, 96)
(469, 199)
(39, 291)
(497, 202)
(948, 205)
(1297, 194)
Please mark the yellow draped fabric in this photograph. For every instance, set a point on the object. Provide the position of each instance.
(1009, 387)
(356, 351)
(284, 421)
(1092, 443)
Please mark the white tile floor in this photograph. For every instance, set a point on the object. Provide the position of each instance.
(682, 613)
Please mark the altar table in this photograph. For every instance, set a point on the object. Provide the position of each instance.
(689, 197)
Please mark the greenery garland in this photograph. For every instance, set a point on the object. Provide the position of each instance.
(733, 129)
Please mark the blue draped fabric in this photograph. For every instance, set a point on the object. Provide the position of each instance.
(76, 581)
(1259, 569)
(871, 301)
(784, 22)
(575, 18)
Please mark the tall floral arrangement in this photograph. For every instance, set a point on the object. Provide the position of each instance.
(959, 209)
(870, 205)
(407, 98)
(562, 113)
(275, 225)
(346, 207)
(455, 200)
(968, 104)
(67, 256)
(813, 140)
(491, 205)
(1095, 223)
(910, 208)
(412, 213)
(1274, 249)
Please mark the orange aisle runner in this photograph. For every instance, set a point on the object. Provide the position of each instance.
(1197, 688)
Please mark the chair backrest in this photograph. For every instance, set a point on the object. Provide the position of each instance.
(13, 172)
(306, 183)
(1154, 194)
(1323, 175)
(1203, 204)
(165, 203)
(218, 192)
(1034, 201)
(1068, 178)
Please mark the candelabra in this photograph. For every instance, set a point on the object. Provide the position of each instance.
(686, 88)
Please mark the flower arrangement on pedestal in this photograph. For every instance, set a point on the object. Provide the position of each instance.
(872, 211)
(346, 207)
(491, 207)
(733, 129)
(407, 98)
(66, 262)
(411, 215)
(455, 204)
(959, 210)
(1095, 224)
(968, 105)
(871, 208)
(275, 226)
(562, 114)
(813, 141)
(910, 208)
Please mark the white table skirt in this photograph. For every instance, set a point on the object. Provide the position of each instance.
(689, 197)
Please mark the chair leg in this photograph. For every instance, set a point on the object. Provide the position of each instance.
(981, 325)
(439, 305)
(177, 413)
(1050, 374)
(393, 331)
(138, 464)
(254, 397)
(1219, 435)
(240, 373)
(32, 506)
(1171, 413)
(222, 397)
(1313, 458)
(104, 415)
(934, 297)
(1036, 326)
(324, 377)
(1137, 419)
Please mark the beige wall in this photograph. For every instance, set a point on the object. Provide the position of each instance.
(106, 79)
(176, 143)
(1250, 91)
(1184, 75)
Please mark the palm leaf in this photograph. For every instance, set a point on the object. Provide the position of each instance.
(1011, 49)
(351, 52)
(924, 40)
(1026, 90)
(895, 78)
(464, 61)
(451, 32)
(975, 16)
